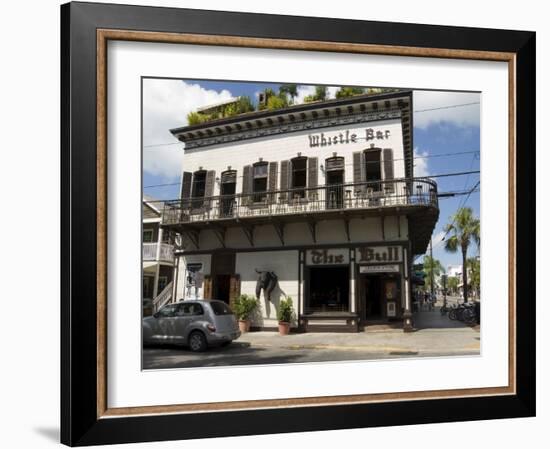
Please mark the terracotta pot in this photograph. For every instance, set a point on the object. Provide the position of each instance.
(284, 328)
(244, 325)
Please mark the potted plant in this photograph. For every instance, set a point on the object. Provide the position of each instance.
(244, 307)
(285, 314)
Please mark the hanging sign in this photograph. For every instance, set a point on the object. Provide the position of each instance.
(379, 269)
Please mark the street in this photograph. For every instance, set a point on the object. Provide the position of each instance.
(434, 336)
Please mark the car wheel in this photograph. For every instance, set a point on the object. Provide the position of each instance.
(197, 342)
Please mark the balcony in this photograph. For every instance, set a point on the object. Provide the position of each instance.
(158, 252)
(415, 198)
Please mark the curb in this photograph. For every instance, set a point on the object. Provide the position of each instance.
(381, 349)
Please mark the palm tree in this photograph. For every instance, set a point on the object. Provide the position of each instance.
(289, 89)
(463, 229)
(473, 269)
(432, 267)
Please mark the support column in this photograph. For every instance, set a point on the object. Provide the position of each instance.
(352, 307)
(156, 283)
(175, 275)
(407, 314)
(159, 243)
(301, 259)
(157, 258)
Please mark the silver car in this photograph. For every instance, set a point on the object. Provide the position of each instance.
(196, 324)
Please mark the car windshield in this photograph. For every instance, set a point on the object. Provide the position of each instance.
(220, 308)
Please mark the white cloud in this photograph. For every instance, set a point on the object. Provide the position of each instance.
(166, 104)
(433, 100)
(420, 163)
(331, 92)
(303, 91)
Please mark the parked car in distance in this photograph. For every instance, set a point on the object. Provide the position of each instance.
(197, 324)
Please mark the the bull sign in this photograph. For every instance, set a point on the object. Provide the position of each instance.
(267, 280)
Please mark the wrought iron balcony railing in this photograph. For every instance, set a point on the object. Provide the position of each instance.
(327, 198)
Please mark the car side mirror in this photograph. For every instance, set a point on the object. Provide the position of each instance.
(156, 314)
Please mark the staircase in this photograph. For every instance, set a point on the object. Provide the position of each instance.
(163, 297)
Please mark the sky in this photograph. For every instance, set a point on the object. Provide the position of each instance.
(444, 123)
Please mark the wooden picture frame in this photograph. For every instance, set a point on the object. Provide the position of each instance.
(86, 29)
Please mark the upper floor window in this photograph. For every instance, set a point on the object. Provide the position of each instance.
(373, 168)
(147, 235)
(199, 184)
(299, 176)
(199, 188)
(259, 181)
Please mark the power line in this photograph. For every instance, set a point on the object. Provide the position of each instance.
(349, 165)
(442, 175)
(460, 207)
(162, 144)
(447, 107)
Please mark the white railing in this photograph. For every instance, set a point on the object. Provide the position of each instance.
(165, 252)
(163, 297)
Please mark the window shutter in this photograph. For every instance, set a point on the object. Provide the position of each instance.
(247, 184)
(283, 184)
(388, 170)
(186, 185)
(209, 187)
(358, 170)
(312, 176)
(272, 180)
(186, 180)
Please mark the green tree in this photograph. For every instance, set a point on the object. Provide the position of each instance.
(289, 89)
(474, 273)
(243, 105)
(277, 102)
(452, 283)
(432, 267)
(319, 95)
(463, 229)
(268, 94)
(345, 91)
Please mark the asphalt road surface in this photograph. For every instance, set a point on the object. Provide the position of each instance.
(243, 354)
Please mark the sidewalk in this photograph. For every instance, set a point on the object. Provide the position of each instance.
(434, 334)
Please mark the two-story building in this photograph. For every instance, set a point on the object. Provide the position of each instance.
(321, 194)
(157, 258)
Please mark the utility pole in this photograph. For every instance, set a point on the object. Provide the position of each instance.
(431, 269)
(444, 278)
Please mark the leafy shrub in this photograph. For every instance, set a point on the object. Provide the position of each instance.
(286, 310)
(244, 306)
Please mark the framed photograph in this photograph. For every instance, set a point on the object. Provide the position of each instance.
(284, 224)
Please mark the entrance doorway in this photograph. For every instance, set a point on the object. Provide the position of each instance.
(328, 290)
(222, 286)
(223, 268)
(335, 189)
(372, 296)
(377, 291)
(227, 192)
